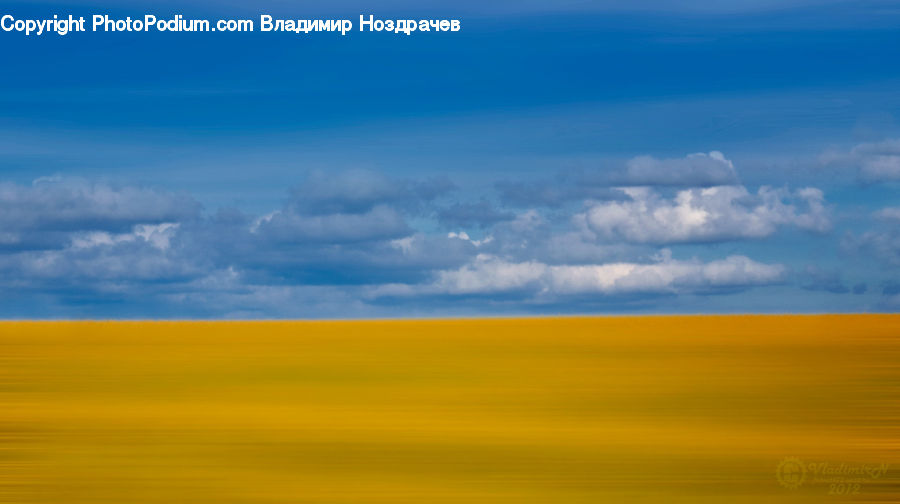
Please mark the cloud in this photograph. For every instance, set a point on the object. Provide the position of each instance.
(889, 214)
(884, 245)
(158, 236)
(818, 279)
(697, 170)
(490, 274)
(882, 241)
(706, 215)
(874, 161)
(360, 191)
(603, 183)
(91, 234)
(57, 204)
(378, 223)
(94, 263)
(350, 230)
(358, 243)
(552, 240)
(567, 187)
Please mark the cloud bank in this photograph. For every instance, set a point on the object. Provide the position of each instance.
(645, 235)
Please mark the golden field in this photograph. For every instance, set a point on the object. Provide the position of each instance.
(567, 410)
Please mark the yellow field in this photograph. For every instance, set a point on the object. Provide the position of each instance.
(586, 410)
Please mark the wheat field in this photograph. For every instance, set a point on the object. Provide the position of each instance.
(557, 410)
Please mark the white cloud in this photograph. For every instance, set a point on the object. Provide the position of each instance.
(84, 243)
(490, 274)
(668, 276)
(157, 235)
(89, 266)
(704, 215)
(462, 235)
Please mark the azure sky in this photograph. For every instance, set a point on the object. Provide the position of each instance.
(549, 158)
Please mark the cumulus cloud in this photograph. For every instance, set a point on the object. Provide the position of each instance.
(371, 244)
(78, 238)
(51, 212)
(706, 215)
(490, 274)
(84, 232)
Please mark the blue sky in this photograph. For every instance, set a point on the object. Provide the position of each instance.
(549, 158)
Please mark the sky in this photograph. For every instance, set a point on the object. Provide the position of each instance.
(550, 158)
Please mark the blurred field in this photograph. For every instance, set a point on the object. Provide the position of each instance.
(581, 410)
